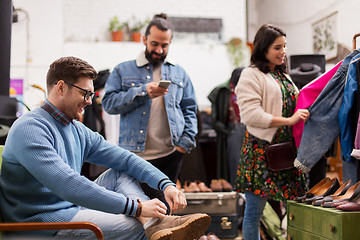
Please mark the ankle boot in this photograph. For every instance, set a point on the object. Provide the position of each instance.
(190, 226)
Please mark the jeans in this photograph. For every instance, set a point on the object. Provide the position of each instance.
(254, 207)
(171, 166)
(234, 144)
(113, 226)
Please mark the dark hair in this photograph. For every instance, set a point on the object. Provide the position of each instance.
(69, 69)
(264, 37)
(235, 75)
(161, 22)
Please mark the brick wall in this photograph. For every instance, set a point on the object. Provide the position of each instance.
(88, 20)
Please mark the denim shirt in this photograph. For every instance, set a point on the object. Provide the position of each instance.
(348, 111)
(322, 127)
(125, 94)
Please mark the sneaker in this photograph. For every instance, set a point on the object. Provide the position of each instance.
(187, 227)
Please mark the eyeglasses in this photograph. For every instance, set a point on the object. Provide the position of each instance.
(88, 94)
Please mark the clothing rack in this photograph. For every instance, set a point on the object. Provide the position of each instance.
(354, 40)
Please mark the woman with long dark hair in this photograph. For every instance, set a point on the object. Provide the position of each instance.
(267, 98)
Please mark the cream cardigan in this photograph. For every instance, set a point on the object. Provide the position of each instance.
(259, 98)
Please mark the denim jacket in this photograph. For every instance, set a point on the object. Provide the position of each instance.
(322, 127)
(347, 113)
(125, 94)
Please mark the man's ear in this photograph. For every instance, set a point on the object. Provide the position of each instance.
(60, 87)
(144, 39)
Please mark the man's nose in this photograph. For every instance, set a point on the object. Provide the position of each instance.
(159, 50)
(88, 101)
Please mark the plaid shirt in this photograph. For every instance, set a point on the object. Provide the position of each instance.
(56, 113)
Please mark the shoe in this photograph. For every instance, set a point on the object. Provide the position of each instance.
(216, 185)
(310, 193)
(327, 189)
(187, 227)
(178, 185)
(349, 207)
(351, 193)
(212, 236)
(341, 191)
(203, 237)
(226, 186)
(191, 187)
(202, 186)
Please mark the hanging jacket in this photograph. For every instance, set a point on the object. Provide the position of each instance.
(348, 112)
(322, 127)
(308, 95)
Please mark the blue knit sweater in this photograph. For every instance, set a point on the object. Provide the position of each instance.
(40, 177)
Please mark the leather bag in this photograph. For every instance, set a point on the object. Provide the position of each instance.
(280, 156)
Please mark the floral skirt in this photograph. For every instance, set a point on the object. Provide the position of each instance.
(254, 176)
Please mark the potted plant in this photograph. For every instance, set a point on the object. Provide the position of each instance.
(116, 29)
(235, 48)
(135, 29)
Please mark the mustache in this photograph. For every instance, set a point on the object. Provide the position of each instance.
(157, 54)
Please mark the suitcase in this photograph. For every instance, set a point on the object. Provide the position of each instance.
(222, 207)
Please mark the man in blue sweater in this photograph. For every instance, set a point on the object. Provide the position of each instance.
(40, 178)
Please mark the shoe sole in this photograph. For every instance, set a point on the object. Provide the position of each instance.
(191, 229)
(165, 234)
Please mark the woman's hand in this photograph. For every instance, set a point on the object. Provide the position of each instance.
(300, 114)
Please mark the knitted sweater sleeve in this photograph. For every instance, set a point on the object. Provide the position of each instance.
(54, 158)
(250, 96)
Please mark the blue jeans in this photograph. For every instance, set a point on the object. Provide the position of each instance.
(113, 226)
(254, 207)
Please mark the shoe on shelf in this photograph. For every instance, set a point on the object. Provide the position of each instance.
(202, 186)
(351, 193)
(311, 192)
(212, 236)
(203, 237)
(191, 187)
(187, 227)
(178, 185)
(327, 189)
(353, 203)
(341, 191)
(226, 186)
(349, 207)
(216, 185)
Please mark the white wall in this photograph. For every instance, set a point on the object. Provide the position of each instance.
(76, 27)
(296, 17)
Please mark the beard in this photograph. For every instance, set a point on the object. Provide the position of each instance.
(154, 61)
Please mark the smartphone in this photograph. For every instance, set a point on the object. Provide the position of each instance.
(164, 83)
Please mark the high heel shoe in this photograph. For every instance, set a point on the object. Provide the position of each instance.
(311, 192)
(353, 204)
(351, 193)
(327, 189)
(341, 191)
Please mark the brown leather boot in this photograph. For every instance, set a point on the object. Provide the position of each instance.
(187, 227)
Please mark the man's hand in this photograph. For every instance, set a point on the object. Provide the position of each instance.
(180, 149)
(154, 90)
(153, 208)
(175, 198)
